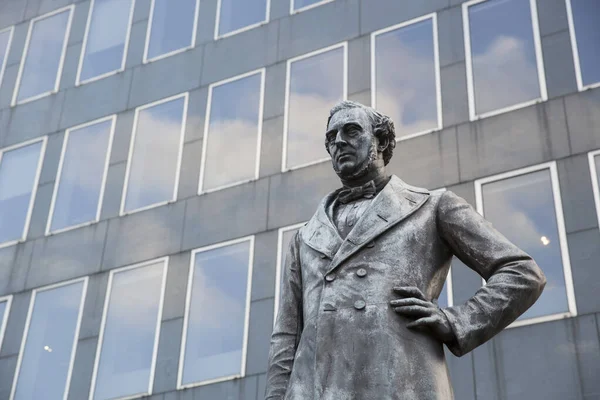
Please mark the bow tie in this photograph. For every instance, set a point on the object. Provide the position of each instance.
(348, 194)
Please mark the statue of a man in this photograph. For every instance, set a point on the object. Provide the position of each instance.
(358, 318)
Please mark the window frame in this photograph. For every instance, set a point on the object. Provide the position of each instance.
(188, 298)
(36, 181)
(305, 8)
(240, 30)
(34, 292)
(281, 261)
(78, 81)
(161, 302)
(286, 111)
(541, 72)
(113, 119)
(436, 61)
(4, 320)
(262, 72)
(573, 37)
(61, 64)
(11, 30)
(562, 235)
(595, 176)
(186, 96)
(147, 60)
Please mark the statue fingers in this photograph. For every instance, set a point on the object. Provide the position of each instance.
(410, 291)
(414, 311)
(412, 301)
(423, 322)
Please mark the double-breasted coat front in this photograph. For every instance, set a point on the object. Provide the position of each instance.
(336, 336)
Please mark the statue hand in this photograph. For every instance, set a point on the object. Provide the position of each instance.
(426, 314)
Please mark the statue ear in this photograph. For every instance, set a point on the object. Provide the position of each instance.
(384, 142)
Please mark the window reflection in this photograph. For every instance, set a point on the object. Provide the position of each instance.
(444, 299)
(5, 39)
(41, 63)
(127, 350)
(108, 28)
(585, 15)
(316, 84)
(235, 117)
(172, 27)
(217, 312)
(18, 178)
(50, 342)
(523, 209)
(235, 15)
(503, 55)
(406, 77)
(153, 165)
(82, 175)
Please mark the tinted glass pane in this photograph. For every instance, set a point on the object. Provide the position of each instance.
(503, 54)
(316, 84)
(217, 313)
(156, 149)
(406, 78)
(50, 343)
(4, 46)
(3, 311)
(172, 26)
(586, 14)
(129, 332)
(18, 170)
(597, 163)
(107, 32)
(443, 299)
(82, 175)
(523, 209)
(298, 4)
(40, 69)
(238, 14)
(234, 118)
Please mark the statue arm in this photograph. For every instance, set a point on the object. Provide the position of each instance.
(288, 326)
(514, 280)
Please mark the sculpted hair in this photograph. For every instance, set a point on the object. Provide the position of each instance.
(382, 125)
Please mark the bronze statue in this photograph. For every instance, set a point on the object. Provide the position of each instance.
(358, 318)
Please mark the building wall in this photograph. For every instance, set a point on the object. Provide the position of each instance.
(551, 360)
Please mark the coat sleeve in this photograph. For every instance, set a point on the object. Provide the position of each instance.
(288, 326)
(513, 279)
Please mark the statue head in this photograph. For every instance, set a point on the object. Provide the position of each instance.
(359, 140)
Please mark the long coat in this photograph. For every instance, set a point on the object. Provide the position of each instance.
(336, 336)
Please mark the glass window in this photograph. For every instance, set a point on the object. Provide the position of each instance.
(216, 319)
(503, 55)
(173, 27)
(81, 175)
(445, 298)
(4, 311)
(105, 44)
(235, 116)
(585, 34)
(5, 40)
(410, 95)
(43, 56)
(19, 173)
(525, 207)
(49, 342)
(299, 5)
(155, 154)
(316, 82)
(237, 15)
(130, 329)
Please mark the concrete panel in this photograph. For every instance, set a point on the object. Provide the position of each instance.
(4, 118)
(240, 210)
(275, 91)
(584, 249)
(465, 282)
(34, 119)
(319, 27)
(576, 193)
(238, 389)
(262, 387)
(8, 366)
(455, 105)
(94, 306)
(486, 372)
(194, 128)
(51, 158)
(259, 336)
(14, 265)
(461, 375)
(141, 10)
(176, 289)
(79, 22)
(271, 147)
(190, 169)
(45, 6)
(41, 209)
(508, 141)
(67, 255)
(149, 83)
(69, 73)
(167, 360)
(265, 260)
(206, 21)
(587, 348)
(7, 88)
(115, 180)
(279, 9)
(359, 65)
(428, 161)
(552, 16)
(144, 235)
(122, 137)
(295, 195)
(137, 41)
(11, 12)
(81, 379)
(559, 67)
(108, 96)
(583, 117)
(378, 14)
(11, 345)
(18, 41)
(450, 36)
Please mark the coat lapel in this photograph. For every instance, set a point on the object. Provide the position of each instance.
(320, 233)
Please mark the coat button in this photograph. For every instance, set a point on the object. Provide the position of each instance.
(328, 307)
(361, 272)
(360, 304)
(330, 277)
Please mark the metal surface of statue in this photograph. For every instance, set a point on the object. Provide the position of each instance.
(358, 317)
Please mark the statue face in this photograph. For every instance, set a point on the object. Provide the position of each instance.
(350, 141)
